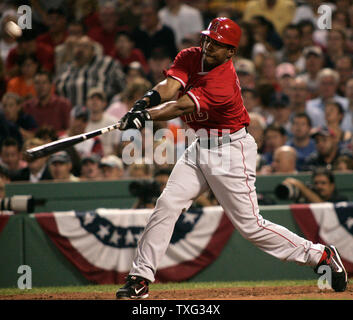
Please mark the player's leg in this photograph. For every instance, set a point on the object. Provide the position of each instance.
(235, 191)
(185, 183)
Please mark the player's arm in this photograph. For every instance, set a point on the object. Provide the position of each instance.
(161, 92)
(172, 109)
(163, 112)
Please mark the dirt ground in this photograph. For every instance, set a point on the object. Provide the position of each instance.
(238, 293)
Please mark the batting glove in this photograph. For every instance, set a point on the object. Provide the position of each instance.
(134, 120)
(139, 105)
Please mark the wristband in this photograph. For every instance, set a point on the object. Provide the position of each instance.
(154, 96)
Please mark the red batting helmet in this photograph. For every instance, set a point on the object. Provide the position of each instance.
(224, 30)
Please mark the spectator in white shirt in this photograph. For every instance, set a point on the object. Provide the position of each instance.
(184, 20)
(328, 80)
(96, 104)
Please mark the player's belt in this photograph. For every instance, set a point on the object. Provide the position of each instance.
(211, 142)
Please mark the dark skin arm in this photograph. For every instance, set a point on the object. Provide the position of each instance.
(170, 109)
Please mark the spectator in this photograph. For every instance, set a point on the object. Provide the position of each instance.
(183, 19)
(112, 167)
(129, 96)
(335, 47)
(23, 83)
(47, 108)
(309, 11)
(48, 134)
(284, 160)
(64, 53)
(267, 71)
(108, 27)
(266, 37)
(90, 167)
(139, 171)
(298, 96)
(72, 81)
(246, 73)
(292, 50)
(301, 139)
(37, 170)
(27, 45)
(247, 43)
(60, 167)
(6, 41)
(327, 150)
(151, 34)
(340, 19)
(344, 67)
(158, 62)
(78, 123)
(314, 61)
(307, 29)
(323, 189)
(285, 73)
(10, 155)
(343, 164)
(134, 71)
(334, 115)
(12, 108)
(251, 100)
(328, 80)
(279, 12)
(275, 137)
(57, 25)
(96, 104)
(125, 51)
(281, 112)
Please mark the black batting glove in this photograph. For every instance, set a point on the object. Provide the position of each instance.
(139, 105)
(134, 120)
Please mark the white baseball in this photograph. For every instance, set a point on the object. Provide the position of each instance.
(13, 29)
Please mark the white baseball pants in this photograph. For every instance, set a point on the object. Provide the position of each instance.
(233, 184)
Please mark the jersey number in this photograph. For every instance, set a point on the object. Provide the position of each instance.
(196, 116)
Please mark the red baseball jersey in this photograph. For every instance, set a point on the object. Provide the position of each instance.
(216, 93)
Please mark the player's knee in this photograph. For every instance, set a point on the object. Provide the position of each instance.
(171, 204)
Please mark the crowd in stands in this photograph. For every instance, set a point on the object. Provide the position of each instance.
(84, 63)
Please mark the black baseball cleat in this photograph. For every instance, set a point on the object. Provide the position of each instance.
(135, 288)
(339, 274)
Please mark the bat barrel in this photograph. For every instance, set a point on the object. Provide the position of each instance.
(55, 146)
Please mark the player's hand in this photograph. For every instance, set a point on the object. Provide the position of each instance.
(134, 120)
(139, 105)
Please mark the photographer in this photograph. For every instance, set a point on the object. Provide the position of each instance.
(148, 191)
(323, 189)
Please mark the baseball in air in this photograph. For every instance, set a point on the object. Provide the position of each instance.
(13, 29)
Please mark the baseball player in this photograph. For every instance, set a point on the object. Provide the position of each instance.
(210, 99)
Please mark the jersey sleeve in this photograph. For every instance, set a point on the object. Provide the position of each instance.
(180, 68)
(210, 93)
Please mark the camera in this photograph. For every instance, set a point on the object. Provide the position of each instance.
(287, 192)
(21, 203)
(145, 190)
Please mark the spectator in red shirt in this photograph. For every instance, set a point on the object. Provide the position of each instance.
(27, 44)
(105, 33)
(47, 108)
(23, 84)
(57, 33)
(125, 52)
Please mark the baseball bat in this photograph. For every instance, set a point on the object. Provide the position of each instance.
(52, 147)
